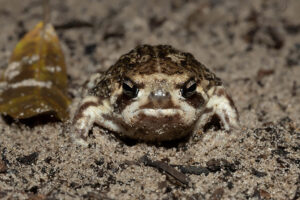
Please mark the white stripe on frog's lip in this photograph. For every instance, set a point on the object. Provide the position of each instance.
(186, 113)
(159, 112)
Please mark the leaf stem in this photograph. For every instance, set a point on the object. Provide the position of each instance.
(46, 12)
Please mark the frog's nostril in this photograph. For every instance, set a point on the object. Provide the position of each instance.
(159, 95)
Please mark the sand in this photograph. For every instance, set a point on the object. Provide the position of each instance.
(253, 46)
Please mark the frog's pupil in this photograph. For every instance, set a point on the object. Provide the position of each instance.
(187, 92)
(130, 91)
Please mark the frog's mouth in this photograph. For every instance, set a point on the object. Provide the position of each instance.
(184, 114)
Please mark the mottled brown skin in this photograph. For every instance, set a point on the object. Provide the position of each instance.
(153, 94)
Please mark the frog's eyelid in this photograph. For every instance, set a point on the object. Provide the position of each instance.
(187, 83)
(129, 82)
(190, 82)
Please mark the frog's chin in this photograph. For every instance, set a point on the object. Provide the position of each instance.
(158, 133)
(152, 125)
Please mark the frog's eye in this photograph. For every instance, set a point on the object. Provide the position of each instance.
(189, 88)
(129, 88)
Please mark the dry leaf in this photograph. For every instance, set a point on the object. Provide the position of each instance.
(35, 80)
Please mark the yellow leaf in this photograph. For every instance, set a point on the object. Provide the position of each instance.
(35, 81)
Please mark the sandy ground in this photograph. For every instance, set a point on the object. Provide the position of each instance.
(254, 46)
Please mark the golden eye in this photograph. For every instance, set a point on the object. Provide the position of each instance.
(189, 88)
(129, 88)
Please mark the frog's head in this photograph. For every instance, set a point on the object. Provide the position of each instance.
(158, 97)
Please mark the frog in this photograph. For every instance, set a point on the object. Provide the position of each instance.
(153, 94)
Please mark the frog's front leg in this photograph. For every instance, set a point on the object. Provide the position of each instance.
(221, 105)
(92, 110)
